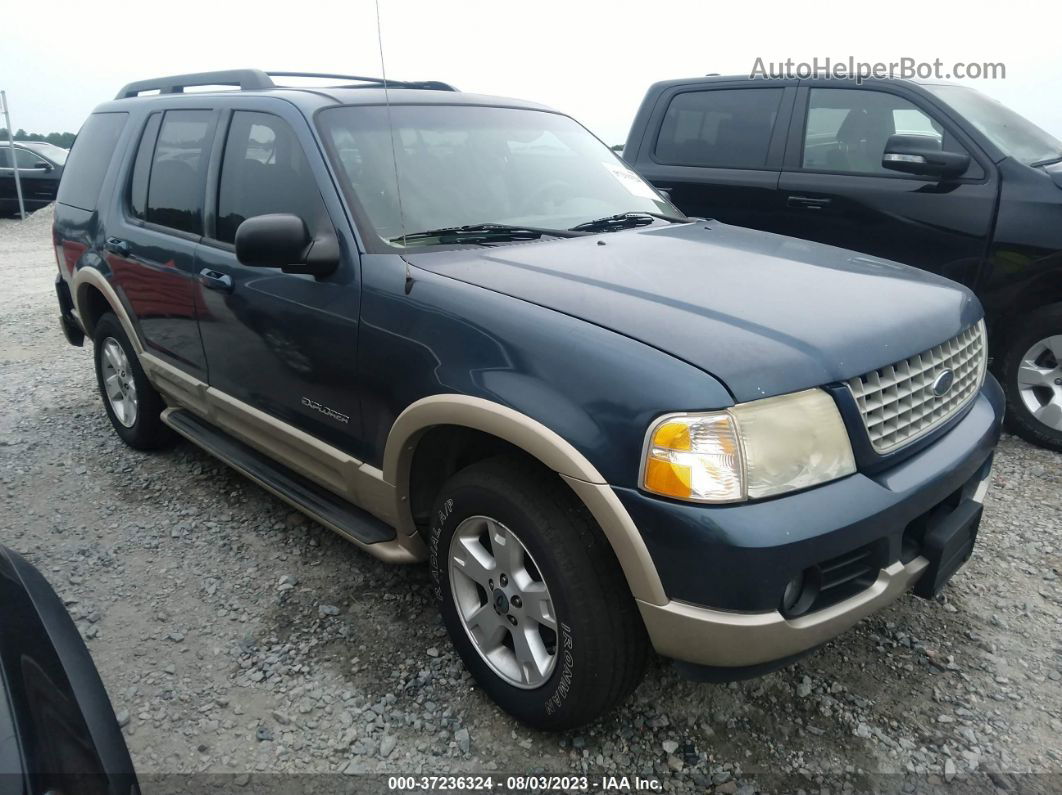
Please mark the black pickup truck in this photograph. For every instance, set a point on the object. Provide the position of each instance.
(936, 176)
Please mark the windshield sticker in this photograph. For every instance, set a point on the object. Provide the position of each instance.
(634, 184)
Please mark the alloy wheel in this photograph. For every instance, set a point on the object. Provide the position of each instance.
(1040, 381)
(504, 603)
(118, 383)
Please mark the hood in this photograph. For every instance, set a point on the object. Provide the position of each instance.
(763, 313)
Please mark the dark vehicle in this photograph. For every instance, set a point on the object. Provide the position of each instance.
(58, 733)
(936, 176)
(459, 329)
(40, 165)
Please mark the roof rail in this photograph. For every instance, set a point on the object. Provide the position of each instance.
(255, 79)
(430, 85)
(245, 79)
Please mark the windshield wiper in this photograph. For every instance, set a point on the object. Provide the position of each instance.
(484, 233)
(625, 221)
(1048, 162)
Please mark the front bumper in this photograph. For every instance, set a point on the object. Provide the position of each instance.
(737, 640)
(725, 568)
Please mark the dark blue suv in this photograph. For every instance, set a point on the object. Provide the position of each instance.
(459, 329)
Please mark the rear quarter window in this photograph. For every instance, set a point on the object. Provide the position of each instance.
(89, 160)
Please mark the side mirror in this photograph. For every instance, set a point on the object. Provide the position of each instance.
(922, 156)
(281, 240)
(41, 165)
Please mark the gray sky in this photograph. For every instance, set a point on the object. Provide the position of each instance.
(591, 59)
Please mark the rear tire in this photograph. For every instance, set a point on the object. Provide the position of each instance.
(1032, 377)
(560, 569)
(133, 406)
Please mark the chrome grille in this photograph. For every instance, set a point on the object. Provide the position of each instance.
(898, 402)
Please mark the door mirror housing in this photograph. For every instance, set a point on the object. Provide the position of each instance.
(42, 165)
(281, 240)
(923, 156)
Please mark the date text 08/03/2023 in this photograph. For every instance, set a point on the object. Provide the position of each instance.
(536, 783)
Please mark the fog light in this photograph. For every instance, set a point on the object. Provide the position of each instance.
(793, 589)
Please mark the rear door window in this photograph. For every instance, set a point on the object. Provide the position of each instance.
(723, 128)
(89, 160)
(178, 170)
(138, 186)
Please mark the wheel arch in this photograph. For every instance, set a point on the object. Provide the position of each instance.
(93, 295)
(1036, 294)
(518, 431)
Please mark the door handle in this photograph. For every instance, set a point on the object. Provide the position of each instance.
(117, 246)
(215, 280)
(807, 202)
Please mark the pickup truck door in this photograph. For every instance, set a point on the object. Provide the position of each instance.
(717, 149)
(283, 343)
(834, 189)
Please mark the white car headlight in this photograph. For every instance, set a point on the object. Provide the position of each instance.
(750, 451)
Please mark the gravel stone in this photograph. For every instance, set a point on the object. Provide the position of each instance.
(387, 745)
(464, 740)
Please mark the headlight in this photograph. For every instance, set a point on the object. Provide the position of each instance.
(752, 450)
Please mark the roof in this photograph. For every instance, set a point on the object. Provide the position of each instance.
(820, 77)
(349, 90)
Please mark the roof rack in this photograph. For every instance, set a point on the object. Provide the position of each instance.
(428, 85)
(256, 80)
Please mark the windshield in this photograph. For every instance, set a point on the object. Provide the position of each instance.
(54, 153)
(464, 165)
(1015, 135)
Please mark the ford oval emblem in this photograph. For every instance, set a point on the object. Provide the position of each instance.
(944, 383)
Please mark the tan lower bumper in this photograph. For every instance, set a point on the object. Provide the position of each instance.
(718, 638)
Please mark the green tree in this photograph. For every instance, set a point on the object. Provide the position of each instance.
(63, 139)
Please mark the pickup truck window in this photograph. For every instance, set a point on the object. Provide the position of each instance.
(725, 128)
(463, 165)
(1011, 132)
(846, 129)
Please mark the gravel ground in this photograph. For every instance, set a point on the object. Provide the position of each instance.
(235, 636)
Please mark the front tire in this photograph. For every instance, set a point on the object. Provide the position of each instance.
(532, 595)
(1032, 375)
(133, 406)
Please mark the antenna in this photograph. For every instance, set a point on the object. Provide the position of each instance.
(394, 148)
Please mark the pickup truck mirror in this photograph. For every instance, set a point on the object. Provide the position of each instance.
(923, 156)
(281, 240)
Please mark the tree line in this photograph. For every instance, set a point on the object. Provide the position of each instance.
(65, 140)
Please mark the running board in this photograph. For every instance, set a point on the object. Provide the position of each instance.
(320, 504)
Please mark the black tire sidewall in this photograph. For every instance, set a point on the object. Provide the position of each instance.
(1040, 325)
(554, 704)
